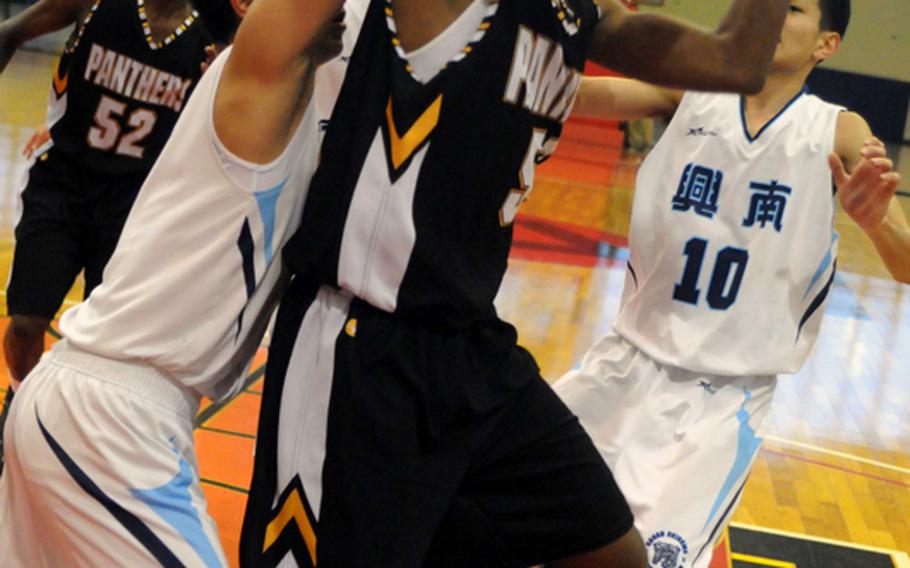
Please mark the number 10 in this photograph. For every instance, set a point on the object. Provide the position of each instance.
(720, 296)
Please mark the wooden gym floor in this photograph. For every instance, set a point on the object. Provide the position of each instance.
(836, 465)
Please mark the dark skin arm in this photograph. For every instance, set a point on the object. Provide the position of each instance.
(654, 48)
(44, 17)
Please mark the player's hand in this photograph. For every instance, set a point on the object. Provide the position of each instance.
(866, 193)
(38, 139)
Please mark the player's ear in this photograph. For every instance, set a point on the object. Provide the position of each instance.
(828, 44)
(241, 6)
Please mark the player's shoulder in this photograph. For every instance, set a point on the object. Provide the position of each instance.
(851, 132)
(705, 102)
(816, 103)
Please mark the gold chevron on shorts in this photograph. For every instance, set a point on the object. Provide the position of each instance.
(291, 510)
(403, 147)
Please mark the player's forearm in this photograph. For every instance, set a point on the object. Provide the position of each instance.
(892, 241)
(612, 98)
(44, 17)
(751, 32)
(8, 42)
(658, 49)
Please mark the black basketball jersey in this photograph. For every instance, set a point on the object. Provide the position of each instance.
(116, 93)
(412, 205)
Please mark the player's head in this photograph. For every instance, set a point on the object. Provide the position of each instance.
(835, 16)
(811, 34)
(221, 17)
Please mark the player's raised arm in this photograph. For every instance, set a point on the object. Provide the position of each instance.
(867, 192)
(614, 98)
(654, 48)
(43, 17)
(265, 84)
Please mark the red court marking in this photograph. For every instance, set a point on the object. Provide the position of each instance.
(839, 468)
(722, 557)
(541, 239)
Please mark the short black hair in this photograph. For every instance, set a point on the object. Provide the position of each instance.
(835, 15)
(219, 18)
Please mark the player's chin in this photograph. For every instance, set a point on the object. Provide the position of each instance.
(328, 49)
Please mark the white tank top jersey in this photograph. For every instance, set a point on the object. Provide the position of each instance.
(732, 241)
(197, 271)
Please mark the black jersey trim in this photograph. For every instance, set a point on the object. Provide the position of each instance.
(767, 125)
(816, 302)
(147, 28)
(492, 9)
(632, 272)
(81, 31)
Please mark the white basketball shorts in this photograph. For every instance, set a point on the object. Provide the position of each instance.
(101, 469)
(680, 444)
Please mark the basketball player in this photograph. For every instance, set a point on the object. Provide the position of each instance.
(101, 467)
(732, 258)
(119, 86)
(401, 424)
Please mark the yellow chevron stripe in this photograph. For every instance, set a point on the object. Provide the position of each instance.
(292, 510)
(404, 146)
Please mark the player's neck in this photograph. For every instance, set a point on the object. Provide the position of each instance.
(420, 21)
(165, 16)
(778, 91)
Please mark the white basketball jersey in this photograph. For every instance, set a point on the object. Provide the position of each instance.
(732, 240)
(197, 271)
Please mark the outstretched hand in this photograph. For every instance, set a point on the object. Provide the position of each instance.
(866, 193)
(38, 139)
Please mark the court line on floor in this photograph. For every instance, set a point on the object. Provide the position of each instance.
(851, 457)
(838, 468)
(232, 433)
(223, 485)
(214, 409)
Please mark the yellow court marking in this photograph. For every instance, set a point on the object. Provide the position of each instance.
(794, 443)
(900, 559)
(762, 561)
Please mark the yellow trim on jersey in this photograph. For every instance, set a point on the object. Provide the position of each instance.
(403, 147)
(292, 510)
(60, 83)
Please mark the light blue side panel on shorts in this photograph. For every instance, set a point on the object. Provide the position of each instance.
(174, 503)
(746, 447)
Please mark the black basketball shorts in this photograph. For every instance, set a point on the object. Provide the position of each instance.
(71, 221)
(385, 442)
